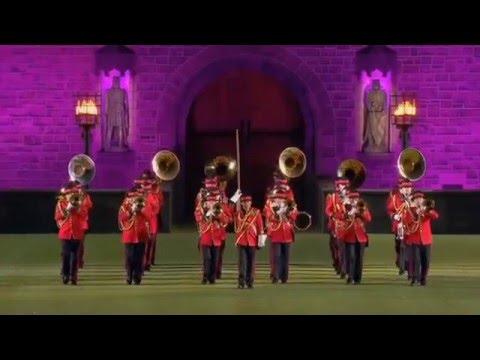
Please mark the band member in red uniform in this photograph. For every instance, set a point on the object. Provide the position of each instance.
(88, 204)
(280, 214)
(334, 203)
(248, 227)
(280, 184)
(419, 236)
(397, 203)
(352, 232)
(335, 209)
(154, 199)
(211, 221)
(70, 216)
(157, 192)
(222, 187)
(134, 221)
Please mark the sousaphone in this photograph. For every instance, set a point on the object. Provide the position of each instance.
(411, 164)
(292, 163)
(165, 165)
(81, 168)
(354, 171)
(224, 167)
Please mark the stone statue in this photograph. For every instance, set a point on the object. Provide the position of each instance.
(375, 128)
(117, 121)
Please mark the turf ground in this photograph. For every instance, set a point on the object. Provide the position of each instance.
(30, 280)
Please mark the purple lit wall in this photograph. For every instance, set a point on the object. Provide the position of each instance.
(38, 134)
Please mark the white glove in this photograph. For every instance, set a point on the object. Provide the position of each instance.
(135, 208)
(396, 217)
(282, 210)
(210, 213)
(236, 196)
(69, 207)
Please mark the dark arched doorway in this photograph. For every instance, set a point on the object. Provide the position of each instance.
(269, 119)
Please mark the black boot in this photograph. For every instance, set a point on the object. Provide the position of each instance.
(241, 285)
(137, 280)
(274, 280)
(349, 280)
(65, 279)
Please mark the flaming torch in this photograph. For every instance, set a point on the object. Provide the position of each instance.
(87, 116)
(404, 110)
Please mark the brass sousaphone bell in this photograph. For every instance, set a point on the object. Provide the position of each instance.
(354, 171)
(411, 164)
(292, 163)
(165, 165)
(81, 168)
(224, 167)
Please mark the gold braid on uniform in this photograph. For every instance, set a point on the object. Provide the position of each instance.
(416, 224)
(65, 213)
(280, 222)
(244, 225)
(203, 230)
(129, 225)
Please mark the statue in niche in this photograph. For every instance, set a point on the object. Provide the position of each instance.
(375, 124)
(117, 119)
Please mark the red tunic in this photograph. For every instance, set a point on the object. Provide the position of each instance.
(353, 230)
(212, 232)
(419, 230)
(248, 227)
(88, 205)
(135, 227)
(335, 211)
(71, 226)
(155, 201)
(280, 230)
(396, 204)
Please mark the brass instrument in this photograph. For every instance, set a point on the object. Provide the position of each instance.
(292, 162)
(75, 199)
(217, 209)
(166, 165)
(361, 206)
(354, 171)
(138, 203)
(411, 164)
(429, 204)
(224, 167)
(81, 168)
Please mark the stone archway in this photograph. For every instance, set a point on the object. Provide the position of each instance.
(194, 75)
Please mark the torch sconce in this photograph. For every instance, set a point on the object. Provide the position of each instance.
(403, 111)
(87, 116)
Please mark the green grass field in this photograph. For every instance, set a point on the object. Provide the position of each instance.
(30, 280)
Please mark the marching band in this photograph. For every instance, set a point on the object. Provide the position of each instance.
(347, 213)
